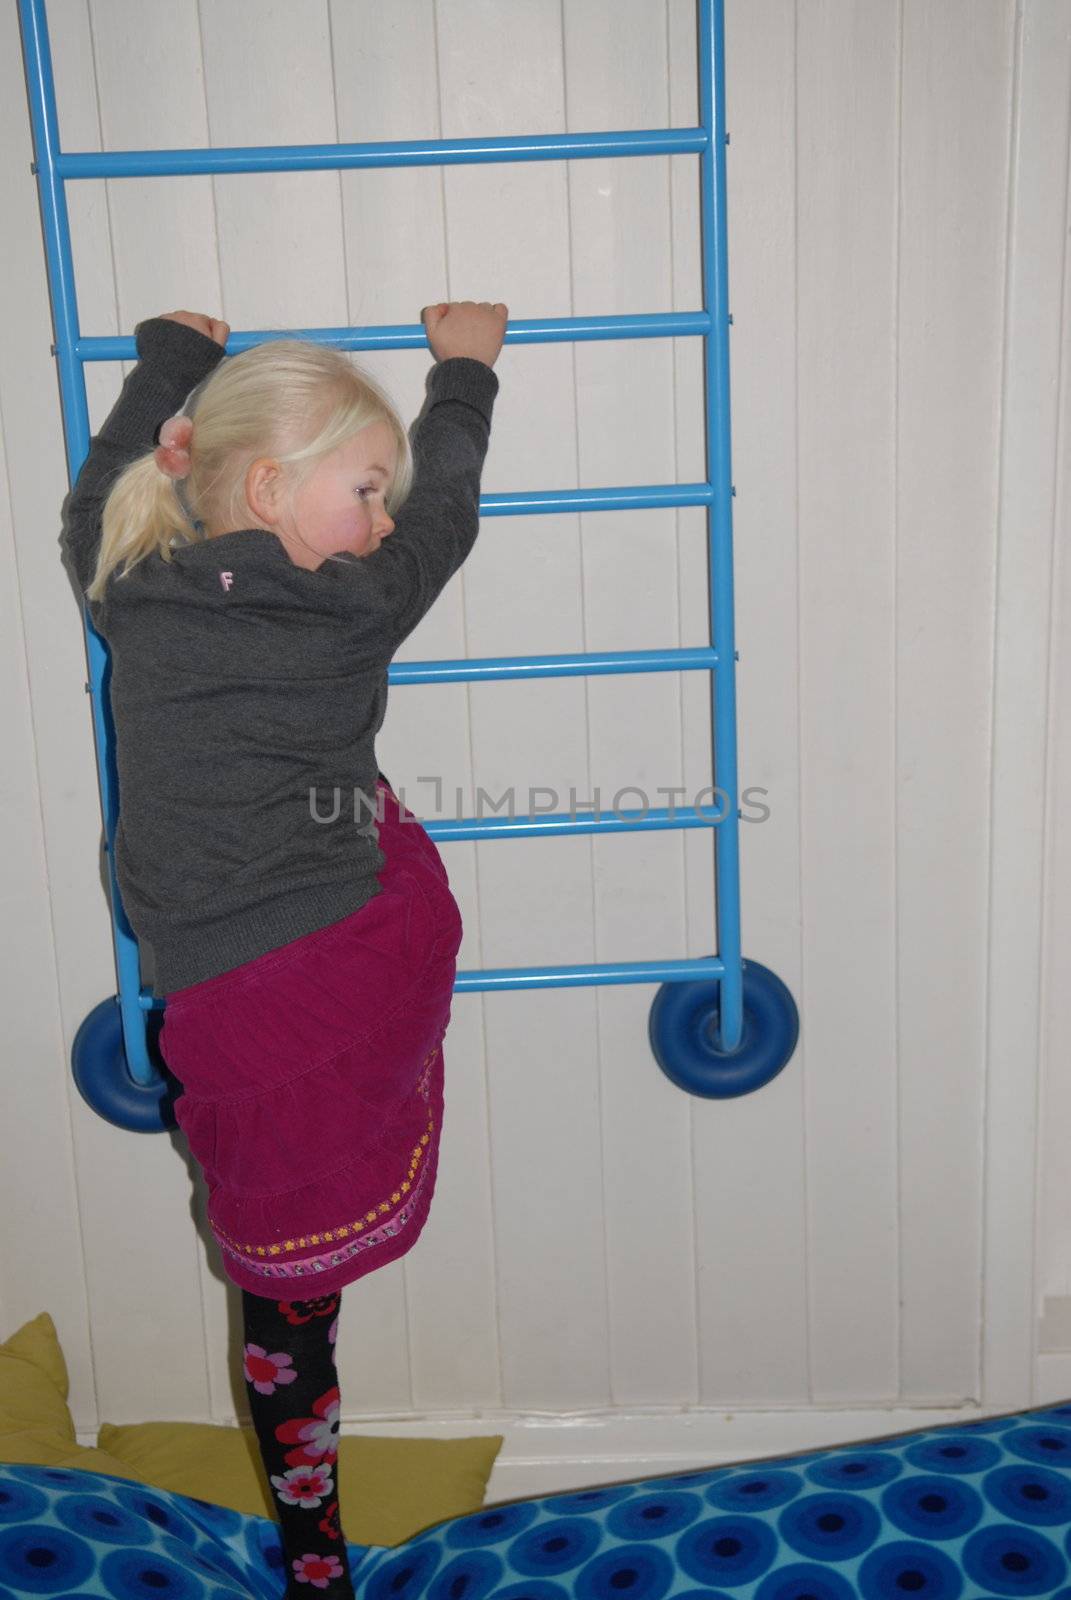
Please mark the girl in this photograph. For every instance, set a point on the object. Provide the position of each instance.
(256, 536)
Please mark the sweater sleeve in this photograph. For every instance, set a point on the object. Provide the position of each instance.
(172, 359)
(437, 526)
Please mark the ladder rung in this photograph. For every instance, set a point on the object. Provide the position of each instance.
(591, 664)
(625, 819)
(596, 973)
(638, 497)
(385, 153)
(413, 335)
(574, 977)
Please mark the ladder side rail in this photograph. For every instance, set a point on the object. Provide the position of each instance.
(715, 254)
(55, 221)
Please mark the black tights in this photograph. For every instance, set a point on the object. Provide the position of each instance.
(292, 1382)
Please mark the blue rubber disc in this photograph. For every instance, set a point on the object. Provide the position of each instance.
(99, 1064)
(683, 1032)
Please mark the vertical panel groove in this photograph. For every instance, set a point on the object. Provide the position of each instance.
(343, 239)
(112, 263)
(680, 534)
(102, 144)
(988, 1065)
(801, 1048)
(589, 846)
(212, 179)
(1048, 1037)
(479, 1000)
(1011, 185)
(1022, 674)
(897, 931)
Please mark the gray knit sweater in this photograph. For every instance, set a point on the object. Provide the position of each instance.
(247, 692)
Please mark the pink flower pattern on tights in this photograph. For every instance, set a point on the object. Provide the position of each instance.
(268, 1372)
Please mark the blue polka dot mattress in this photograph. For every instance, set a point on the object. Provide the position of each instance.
(974, 1511)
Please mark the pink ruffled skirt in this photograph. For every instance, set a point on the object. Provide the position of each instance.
(313, 1081)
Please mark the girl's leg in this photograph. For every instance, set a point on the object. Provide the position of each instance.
(289, 1361)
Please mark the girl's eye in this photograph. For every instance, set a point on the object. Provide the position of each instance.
(366, 489)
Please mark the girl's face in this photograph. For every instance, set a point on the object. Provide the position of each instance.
(339, 508)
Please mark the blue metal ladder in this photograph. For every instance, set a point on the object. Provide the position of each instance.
(720, 1026)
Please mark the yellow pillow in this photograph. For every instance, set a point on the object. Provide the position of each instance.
(36, 1428)
(389, 1489)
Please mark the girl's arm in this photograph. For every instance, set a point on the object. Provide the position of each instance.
(437, 526)
(173, 357)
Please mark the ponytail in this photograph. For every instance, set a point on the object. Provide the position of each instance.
(142, 516)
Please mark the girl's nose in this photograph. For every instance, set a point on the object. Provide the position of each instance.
(384, 525)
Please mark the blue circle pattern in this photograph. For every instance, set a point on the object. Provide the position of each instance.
(550, 1548)
(653, 1516)
(979, 1511)
(1048, 1446)
(406, 1575)
(858, 1469)
(206, 1558)
(927, 1507)
(43, 1561)
(1008, 1559)
(909, 1568)
(1030, 1494)
(583, 1500)
(19, 1502)
(490, 1526)
(99, 1518)
(805, 1581)
(946, 1452)
(830, 1527)
(635, 1571)
(754, 1491)
(469, 1576)
(136, 1575)
(540, 1589)
(727, 1550)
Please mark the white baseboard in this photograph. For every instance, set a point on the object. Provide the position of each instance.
(545, 1453)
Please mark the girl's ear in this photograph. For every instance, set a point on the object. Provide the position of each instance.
(264, 488)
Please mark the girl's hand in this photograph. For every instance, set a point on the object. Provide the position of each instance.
(209, 326)
(465, 328)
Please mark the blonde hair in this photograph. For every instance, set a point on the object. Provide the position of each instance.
(288, 398)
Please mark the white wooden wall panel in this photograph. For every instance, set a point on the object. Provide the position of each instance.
(954, 166)
(163, 231)
(542, 1060)
(617, 78)
(846, 275)
(1053, 1241)
(1027, 1104)
(44, 1255)
(861, 1233)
